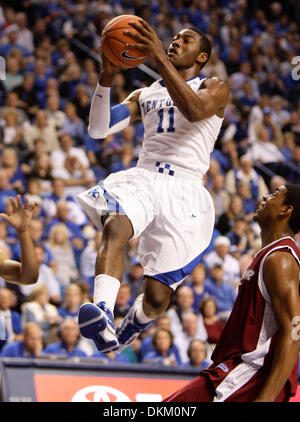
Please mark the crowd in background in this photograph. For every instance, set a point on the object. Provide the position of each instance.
(52, 67)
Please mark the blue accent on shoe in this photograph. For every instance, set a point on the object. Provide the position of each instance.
(93, 321)
(110, 320)
(89, 312)
(128, 333)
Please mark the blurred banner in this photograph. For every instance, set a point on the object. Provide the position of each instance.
(83, 381)
(80, 380)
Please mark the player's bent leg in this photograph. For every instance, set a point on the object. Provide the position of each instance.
(148, 306)
(96, 320)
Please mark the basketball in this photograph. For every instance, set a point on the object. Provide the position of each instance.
(114, 43)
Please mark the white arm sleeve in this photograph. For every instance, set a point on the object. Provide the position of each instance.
(104, 120)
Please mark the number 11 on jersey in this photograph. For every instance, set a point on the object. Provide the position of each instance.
(170, 128)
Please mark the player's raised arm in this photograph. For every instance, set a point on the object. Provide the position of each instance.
(184, 60)
(26, 271)
(281, 276)
(104, 119)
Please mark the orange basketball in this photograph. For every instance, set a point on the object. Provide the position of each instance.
(114, 43)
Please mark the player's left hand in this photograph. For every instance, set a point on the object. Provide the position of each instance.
(146, 40)
(18, 215)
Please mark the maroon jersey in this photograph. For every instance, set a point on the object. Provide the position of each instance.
(248, 341)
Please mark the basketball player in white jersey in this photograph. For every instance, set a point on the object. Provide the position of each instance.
(162, 201)
(26, 271)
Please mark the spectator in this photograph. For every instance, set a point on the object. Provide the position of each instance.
(189, 332)
(197, 282)
(40, 311)
(30, 347)
(126, 160)
(10, 162)
(219, 195)
(10, 321)
(25, 36)
(123, 302)
(72, 124)
(162, 353)
(146, 343)
(13, 74)
(60, 247)
(197, 353)
(57, 194)
(62, 216)
(241, 236)
(214, 325)
(222, 257)
(184, 303)
(27, 98)
(55, 116)
(42, 128)
(71, 163)
(42, 171)
(88, 260)
(13, 102)
(134, 277)
(71, 303)
(267, 153)
(246, 173)
(225, 221)
(5, 190)
(223, 292)
(11, 131)
(11, 33)
(67, 346)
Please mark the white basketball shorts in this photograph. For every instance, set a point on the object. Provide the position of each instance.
(172, 215)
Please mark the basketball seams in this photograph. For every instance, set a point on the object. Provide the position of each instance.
(108, 31)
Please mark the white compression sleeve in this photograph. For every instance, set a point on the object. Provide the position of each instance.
(104, 120)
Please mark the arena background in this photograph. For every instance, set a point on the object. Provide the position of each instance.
(49, 68)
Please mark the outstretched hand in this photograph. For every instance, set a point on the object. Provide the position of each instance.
(18, 215)
(146, 40)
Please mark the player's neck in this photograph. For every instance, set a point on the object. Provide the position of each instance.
(188, 73)
(270, 235)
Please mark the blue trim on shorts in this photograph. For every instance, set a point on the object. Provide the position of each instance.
(175, 276)
(112, 204)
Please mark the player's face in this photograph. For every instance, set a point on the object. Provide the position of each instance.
(270, 205)
(184, 49)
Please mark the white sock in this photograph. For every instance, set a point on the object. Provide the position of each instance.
(140, 314)
(106, 289)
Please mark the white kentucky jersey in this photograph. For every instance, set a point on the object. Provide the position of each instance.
(169, 136)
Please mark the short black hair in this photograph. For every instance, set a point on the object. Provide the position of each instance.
(205, 46)
(292, 197)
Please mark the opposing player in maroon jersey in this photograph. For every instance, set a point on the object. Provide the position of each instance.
(256, 358)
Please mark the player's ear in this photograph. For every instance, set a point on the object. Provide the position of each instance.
(202, 57)
(286, 211)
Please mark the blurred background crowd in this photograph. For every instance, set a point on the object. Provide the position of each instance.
(52, 67)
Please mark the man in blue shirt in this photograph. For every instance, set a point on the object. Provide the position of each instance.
(69, 336)
(30, 347)
(223, 292)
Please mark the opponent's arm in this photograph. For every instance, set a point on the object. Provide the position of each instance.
(26, 271)
(194, 106)
(104, 119)
(281, 276)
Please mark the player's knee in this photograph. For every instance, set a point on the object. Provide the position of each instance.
(117, 229)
